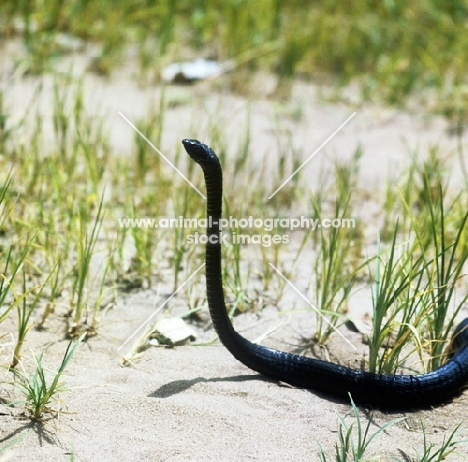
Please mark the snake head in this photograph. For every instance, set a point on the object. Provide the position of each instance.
(200, 153)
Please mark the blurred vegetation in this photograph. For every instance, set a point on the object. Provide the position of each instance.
(390, 47)
(65, 253)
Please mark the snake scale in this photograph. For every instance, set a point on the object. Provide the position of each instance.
(384, 391)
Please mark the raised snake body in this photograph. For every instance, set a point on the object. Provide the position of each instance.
(384, 391)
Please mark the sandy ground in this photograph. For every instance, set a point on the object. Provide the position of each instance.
(198, 403)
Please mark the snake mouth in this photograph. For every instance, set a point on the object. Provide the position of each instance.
(199, 152)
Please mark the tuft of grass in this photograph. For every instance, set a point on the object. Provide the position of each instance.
(13, 265)
(144, 240)
(56, 282)
(414, 288)
(338, 248)
(444, 273)
(38, 392)
(236, 276)
(181, 206)
(152, 126)
(438, 453)
(87, 236)
(354, 440)
(395, 300)
(334, 278)
(24, 311)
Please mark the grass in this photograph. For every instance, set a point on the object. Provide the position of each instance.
(348, 449)
(335, 277)
(38, 392)
(355, 439)
(413, 294)
(62, 250)
(390, 50)
(414, 284)
(413, 287)
(24, 311)
(438, 452)
(87, 233)
(11, 268)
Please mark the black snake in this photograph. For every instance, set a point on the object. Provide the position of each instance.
(384, 391)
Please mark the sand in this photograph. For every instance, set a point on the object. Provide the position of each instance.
(197, 403)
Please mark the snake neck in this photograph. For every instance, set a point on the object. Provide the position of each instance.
(258, 358)
(214, 282)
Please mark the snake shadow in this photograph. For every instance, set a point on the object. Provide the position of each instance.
(179, 386)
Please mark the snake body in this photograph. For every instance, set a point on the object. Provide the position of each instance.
(384, 391)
